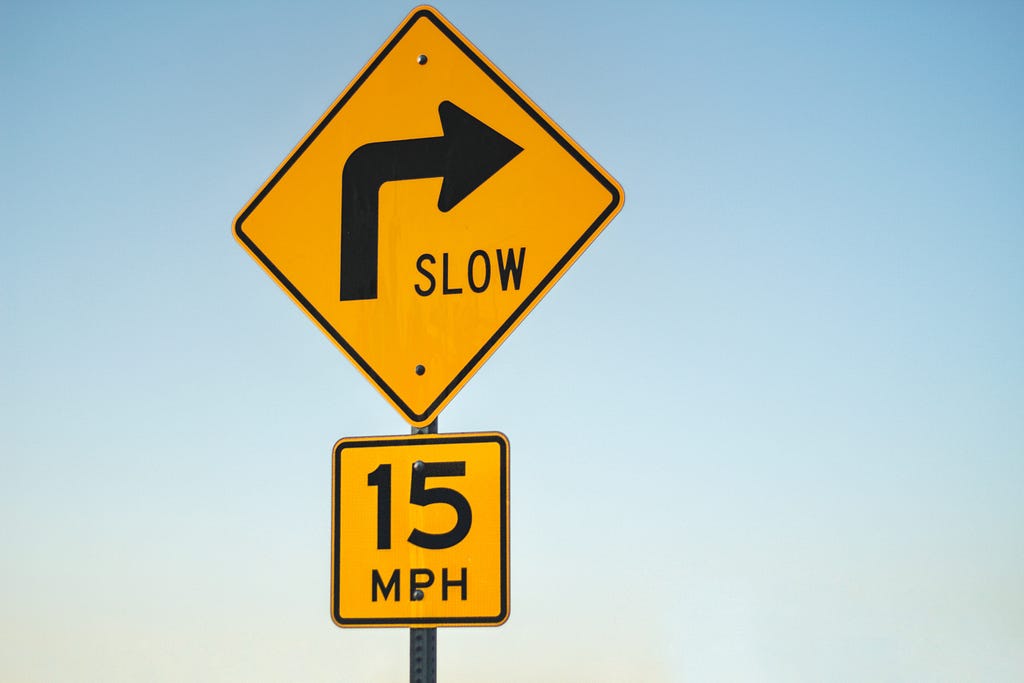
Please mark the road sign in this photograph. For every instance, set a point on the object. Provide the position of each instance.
(426, 214)
(420, 531)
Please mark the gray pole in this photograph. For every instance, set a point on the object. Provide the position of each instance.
(423, 641)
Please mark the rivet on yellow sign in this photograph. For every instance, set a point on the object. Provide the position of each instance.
(420, 531)
(426, 214)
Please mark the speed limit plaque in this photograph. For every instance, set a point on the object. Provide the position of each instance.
(420, 531)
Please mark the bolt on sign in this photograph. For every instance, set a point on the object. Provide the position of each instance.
(420, 531)
(426, 213)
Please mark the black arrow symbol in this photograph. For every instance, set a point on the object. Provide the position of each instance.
(465, 156)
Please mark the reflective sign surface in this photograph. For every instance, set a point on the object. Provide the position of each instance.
(425, 214)
(420, 531)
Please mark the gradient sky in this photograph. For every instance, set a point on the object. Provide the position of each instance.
(770, 427)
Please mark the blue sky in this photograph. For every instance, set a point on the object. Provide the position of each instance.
(770, 427)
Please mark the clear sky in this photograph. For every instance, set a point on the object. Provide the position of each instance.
(770, 427)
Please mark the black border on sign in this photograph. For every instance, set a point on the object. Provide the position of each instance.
(518, 313)
(420, 440)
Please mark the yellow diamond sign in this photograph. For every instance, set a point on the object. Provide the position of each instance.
(426, 213)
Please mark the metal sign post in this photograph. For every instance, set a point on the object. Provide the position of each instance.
(423, 641)
(423, 655)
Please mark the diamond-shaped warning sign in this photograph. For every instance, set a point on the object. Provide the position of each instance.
(426, 214)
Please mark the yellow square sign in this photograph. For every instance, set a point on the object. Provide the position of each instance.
(420, 531)
(426, 213)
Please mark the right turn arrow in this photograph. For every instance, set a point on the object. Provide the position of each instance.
(465, 156)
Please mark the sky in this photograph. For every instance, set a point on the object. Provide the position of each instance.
(769, 427)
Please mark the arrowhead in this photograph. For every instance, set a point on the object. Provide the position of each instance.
(474, 152)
